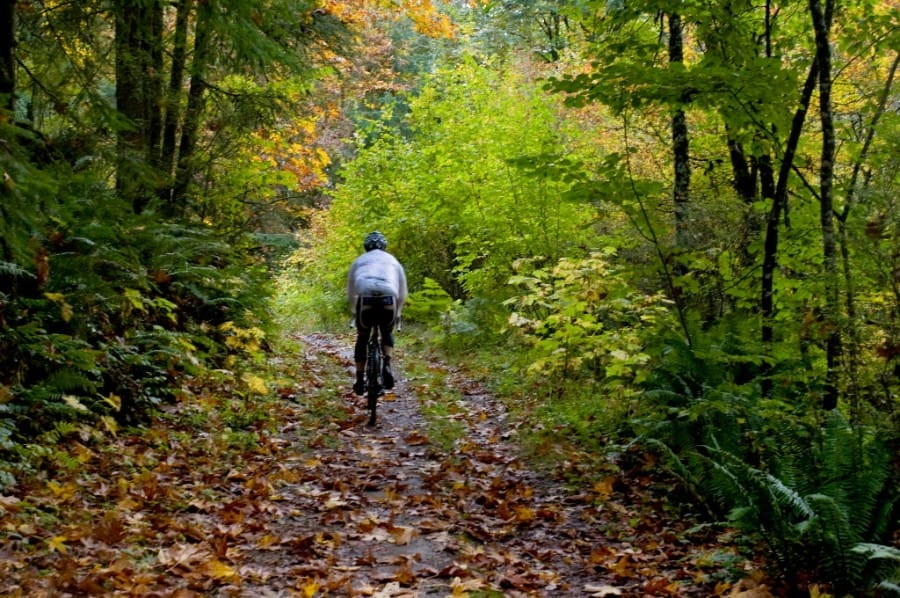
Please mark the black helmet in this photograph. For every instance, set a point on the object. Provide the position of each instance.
(375, 240)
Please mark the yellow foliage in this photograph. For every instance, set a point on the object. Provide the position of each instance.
(246, 340)
(114, 401)
(219, 570)
(255, 384)
(65, 310)
(110, 424)
(57, 544)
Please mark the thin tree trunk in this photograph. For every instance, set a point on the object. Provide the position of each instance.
(744, 180)
(821, 26)
(7, 53)
(779, 203)
(680, 144)
(173, 98)
(852, 189)
(7, 91)
(196, 99)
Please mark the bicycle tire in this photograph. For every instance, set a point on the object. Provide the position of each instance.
(373, 374)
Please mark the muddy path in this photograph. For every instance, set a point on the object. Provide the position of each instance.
(384, 512)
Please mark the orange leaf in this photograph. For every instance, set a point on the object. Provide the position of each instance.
(604, 487)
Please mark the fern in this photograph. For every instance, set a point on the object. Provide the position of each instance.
(814, 531)
(13, 270)
(832, 533)
(884, 562)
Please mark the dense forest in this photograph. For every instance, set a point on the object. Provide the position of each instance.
(656, 226)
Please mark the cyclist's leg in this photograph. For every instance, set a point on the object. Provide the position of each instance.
(386, 326)
(363, 331)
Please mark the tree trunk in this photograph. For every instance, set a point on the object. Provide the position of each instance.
(744, 182)
(680, 143)
(821, 25)
(129, 103)
(7, 53)
(779, 203)
(173, 99)
(196, 99)
(853, 336)
(138, 72)
(153, 82)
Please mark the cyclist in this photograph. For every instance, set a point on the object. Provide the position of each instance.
(376, 291)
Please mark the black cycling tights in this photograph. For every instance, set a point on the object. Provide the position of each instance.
(374, 316)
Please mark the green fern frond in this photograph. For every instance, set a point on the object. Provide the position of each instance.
(878, 551)
(884, 563)
(14, 270)
(758, 484)
(835, 537)
(71, 380)
(61, 430)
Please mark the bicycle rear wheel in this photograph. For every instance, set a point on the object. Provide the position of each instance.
(373, 375)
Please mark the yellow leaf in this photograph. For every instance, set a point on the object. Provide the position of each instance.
(524, 514)
(110, 424)
(74, 403)
(605, 486)
(114, 401)
(310, 588)
(133, 297)
(66, 311)
(267, 542)
(624, 567)
(58, 544)
(816, 592)
(255, 384)
(64, 491)
(219, 570)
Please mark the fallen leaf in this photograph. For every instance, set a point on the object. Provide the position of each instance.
(58, 544)
(219, 570)
(402, 536)
(601, 590)
(604, 487)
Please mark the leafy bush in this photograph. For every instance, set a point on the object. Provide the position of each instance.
(457, 206)
(114, 308)
(582, 320)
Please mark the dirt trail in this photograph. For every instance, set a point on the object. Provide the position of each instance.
(238, 493)
(383, 512)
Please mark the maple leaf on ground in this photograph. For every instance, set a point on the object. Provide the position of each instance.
(183, 555)
(602, 590)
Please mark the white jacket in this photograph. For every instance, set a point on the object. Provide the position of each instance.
(376, 272)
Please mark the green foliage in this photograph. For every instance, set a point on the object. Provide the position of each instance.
(111, 309)
(455, 206)
(817, 500)
(583, 320)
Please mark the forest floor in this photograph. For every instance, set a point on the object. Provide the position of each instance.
(230, 495)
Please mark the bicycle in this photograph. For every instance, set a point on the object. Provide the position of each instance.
(374, 388)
